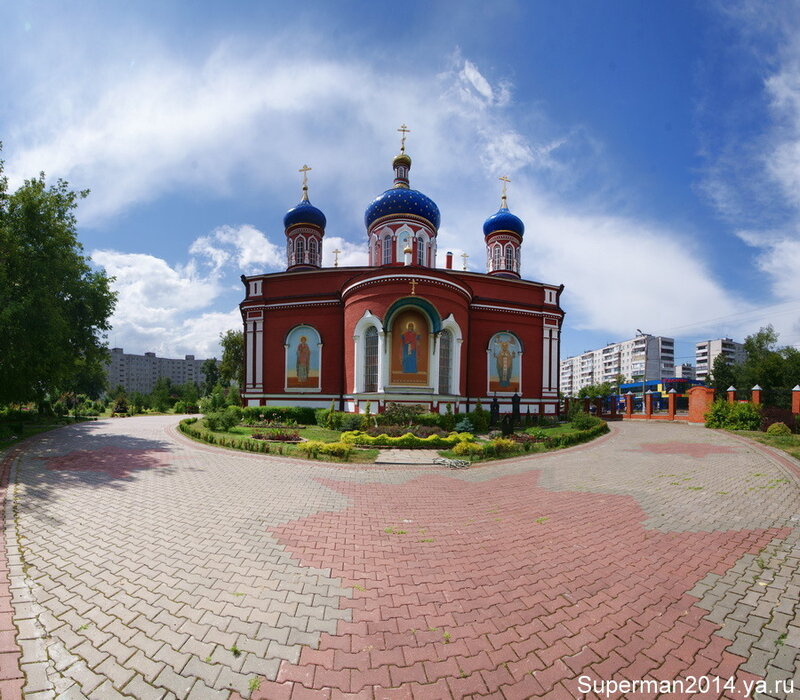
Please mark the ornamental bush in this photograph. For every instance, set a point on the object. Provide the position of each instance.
(733, 416)
(357, 437)
(468, 449)
(779, 429)
(583, 421)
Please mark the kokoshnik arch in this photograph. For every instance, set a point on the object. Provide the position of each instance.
(400, 329)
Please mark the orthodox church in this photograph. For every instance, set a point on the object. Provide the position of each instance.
(400, 329)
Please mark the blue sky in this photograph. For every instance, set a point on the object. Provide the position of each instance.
(653, 148)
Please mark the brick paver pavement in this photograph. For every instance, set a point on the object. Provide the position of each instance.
(140, 564)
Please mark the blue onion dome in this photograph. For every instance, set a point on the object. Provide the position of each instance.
(304, 213)
(503, 220)
(402, 200)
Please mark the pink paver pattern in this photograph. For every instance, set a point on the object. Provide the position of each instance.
(697, 450)
(358, 581)
(505, 589)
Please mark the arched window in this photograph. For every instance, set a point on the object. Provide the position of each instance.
(509, 257)
(371, 359)
(420, 251)
(312, 252)
(445, 361)
(299, 250)
(496, 258)
(387, 250)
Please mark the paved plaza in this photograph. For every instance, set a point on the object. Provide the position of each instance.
(140, 564)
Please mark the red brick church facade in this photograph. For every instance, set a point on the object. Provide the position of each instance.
(400, 329)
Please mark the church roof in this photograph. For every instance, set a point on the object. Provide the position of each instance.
(304, 213)
(402, 200)
(503, 220)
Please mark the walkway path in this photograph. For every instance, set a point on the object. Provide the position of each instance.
(142, 564)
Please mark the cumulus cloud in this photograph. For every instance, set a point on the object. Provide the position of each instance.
(176, 123)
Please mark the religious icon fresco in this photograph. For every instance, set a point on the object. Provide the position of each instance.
(302, 358)
(504, 362)
(410, 349)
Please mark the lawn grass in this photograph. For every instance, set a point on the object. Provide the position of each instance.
(788, 443)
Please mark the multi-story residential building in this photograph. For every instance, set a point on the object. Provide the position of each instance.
(645, 356)
(139, 373)
(707, 351)
(685, 371)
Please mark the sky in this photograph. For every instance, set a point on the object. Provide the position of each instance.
(653, 148)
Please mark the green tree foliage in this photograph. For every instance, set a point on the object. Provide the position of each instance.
(232, 366)
(723, 375)
(210, 369)
(163, 395)
(592, 390)
(54, 308)
(775, 369)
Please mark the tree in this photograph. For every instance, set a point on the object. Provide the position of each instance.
(161, 397)
(723, 375)
(210, 370)
(54, 308)
(232, 366)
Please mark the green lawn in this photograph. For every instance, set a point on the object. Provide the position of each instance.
(788, 443)
(312, 432)
(40, 425)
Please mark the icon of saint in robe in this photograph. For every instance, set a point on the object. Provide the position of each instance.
(505, 363)
(303, 360)
(410, 340)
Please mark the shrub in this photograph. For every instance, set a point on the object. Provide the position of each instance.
(500, 446)
(396, 413)
(284, 415)
(770, 415)
(357, 437)
(448, 420)
(213, 421)
(480, 418)
(779, 429)
(431, 420)
(465, 426)
(471, 449)
(351, 421)
(314, 448)
(278, 436)
(583, 421)
(230, 417)
(733, 416)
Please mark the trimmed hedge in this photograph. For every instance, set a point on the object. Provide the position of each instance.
(357, 437)
(299, 414)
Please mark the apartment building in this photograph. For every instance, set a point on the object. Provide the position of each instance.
(645, 356)
(685, 371)
(139, 373)
(707, 351)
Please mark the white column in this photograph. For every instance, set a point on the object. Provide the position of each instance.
(259, 353)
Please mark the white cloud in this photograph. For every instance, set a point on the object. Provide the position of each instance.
(352, 254)
(251, 251)
(172, 125)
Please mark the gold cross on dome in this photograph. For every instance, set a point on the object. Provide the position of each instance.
(304, 170)
(413, 284)
(505, 180)
(336, 257)
(465, 256)
(403, 130)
